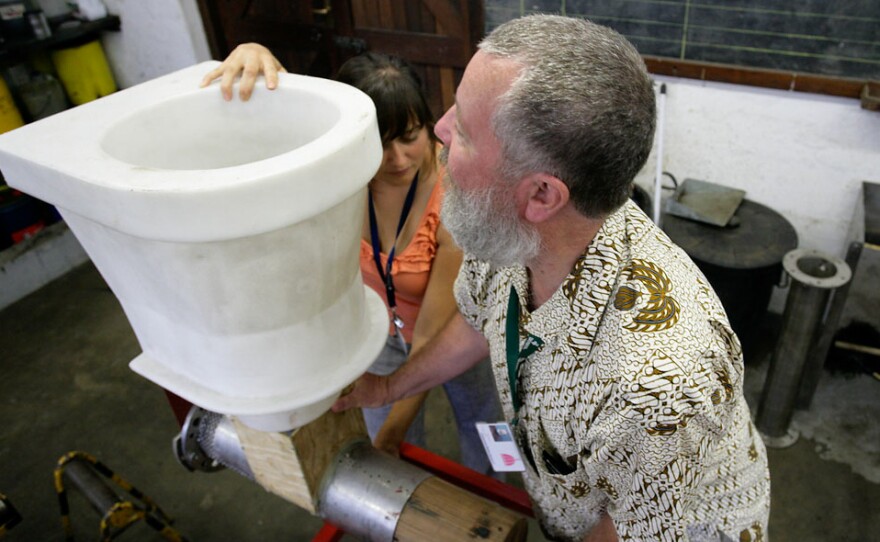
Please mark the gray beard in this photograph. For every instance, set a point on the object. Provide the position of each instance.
(484, 223)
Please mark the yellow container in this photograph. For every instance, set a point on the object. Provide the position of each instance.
(84, 72)
(10, 118)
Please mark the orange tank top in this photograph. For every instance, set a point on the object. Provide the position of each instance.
(411, 267)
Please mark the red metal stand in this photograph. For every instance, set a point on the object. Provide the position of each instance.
(329, 533)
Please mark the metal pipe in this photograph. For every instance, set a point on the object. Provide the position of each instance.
(363, 491)
(818, 355)
(208, 442)
(658, 178)
(82, 476)
(814, 276)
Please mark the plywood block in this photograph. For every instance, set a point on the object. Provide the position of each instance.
(292, 465)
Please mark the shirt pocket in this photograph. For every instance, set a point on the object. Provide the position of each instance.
(564, 501)
(557, 457)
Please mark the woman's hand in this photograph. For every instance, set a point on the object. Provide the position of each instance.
(248, 60)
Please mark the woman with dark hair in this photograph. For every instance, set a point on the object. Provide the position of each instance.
(406, 254)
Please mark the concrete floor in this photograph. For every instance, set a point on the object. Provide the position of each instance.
(65, 386)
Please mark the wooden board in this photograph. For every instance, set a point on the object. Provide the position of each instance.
(291, 466)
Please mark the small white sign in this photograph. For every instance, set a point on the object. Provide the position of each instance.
(500, 446)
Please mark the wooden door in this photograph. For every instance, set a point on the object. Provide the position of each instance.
(314, 37)
(438, 36)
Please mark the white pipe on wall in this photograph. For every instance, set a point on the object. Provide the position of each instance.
(658, 177)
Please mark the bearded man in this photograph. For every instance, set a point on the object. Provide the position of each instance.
(615, 363)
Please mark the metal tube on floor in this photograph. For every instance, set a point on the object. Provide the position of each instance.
(95, 489)
(814, 276)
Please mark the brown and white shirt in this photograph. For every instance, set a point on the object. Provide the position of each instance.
(633, 404)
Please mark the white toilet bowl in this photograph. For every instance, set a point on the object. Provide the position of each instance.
(229, 232)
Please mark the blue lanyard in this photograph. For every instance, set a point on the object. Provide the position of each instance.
(515, 354)
(385, 274)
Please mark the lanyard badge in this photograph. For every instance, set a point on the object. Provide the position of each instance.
(498, 438)
(385, 273)
(400, 341)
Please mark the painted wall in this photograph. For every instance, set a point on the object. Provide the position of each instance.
(157, 37)
(803, 155)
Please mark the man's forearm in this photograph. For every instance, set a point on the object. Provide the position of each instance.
(455, 349)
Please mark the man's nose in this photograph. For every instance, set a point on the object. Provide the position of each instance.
(443, 128)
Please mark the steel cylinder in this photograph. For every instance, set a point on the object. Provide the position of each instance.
(93, 486)
(365, 491)
(814, 276)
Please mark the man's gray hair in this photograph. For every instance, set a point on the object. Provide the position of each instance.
(581, 109)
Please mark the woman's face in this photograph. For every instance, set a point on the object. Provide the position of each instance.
(402, 157)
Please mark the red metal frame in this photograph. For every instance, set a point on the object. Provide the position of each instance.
(329, 533)
(485, 486)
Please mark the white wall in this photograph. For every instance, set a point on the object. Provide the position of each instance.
(157, 37)
(803, 155)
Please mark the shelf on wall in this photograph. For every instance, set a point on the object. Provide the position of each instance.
(62, 36)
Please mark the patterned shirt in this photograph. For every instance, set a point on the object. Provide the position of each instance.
(633, 403)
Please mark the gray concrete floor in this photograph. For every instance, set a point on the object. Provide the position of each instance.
(65, 385)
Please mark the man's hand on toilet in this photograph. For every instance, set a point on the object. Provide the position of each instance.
(369, 391)
(248, 60)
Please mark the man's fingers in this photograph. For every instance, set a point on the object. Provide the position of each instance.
(342, 404)
(369, 391)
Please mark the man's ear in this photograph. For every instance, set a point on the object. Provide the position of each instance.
(541, 196)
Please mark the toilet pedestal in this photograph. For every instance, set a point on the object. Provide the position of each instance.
(228, 231)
